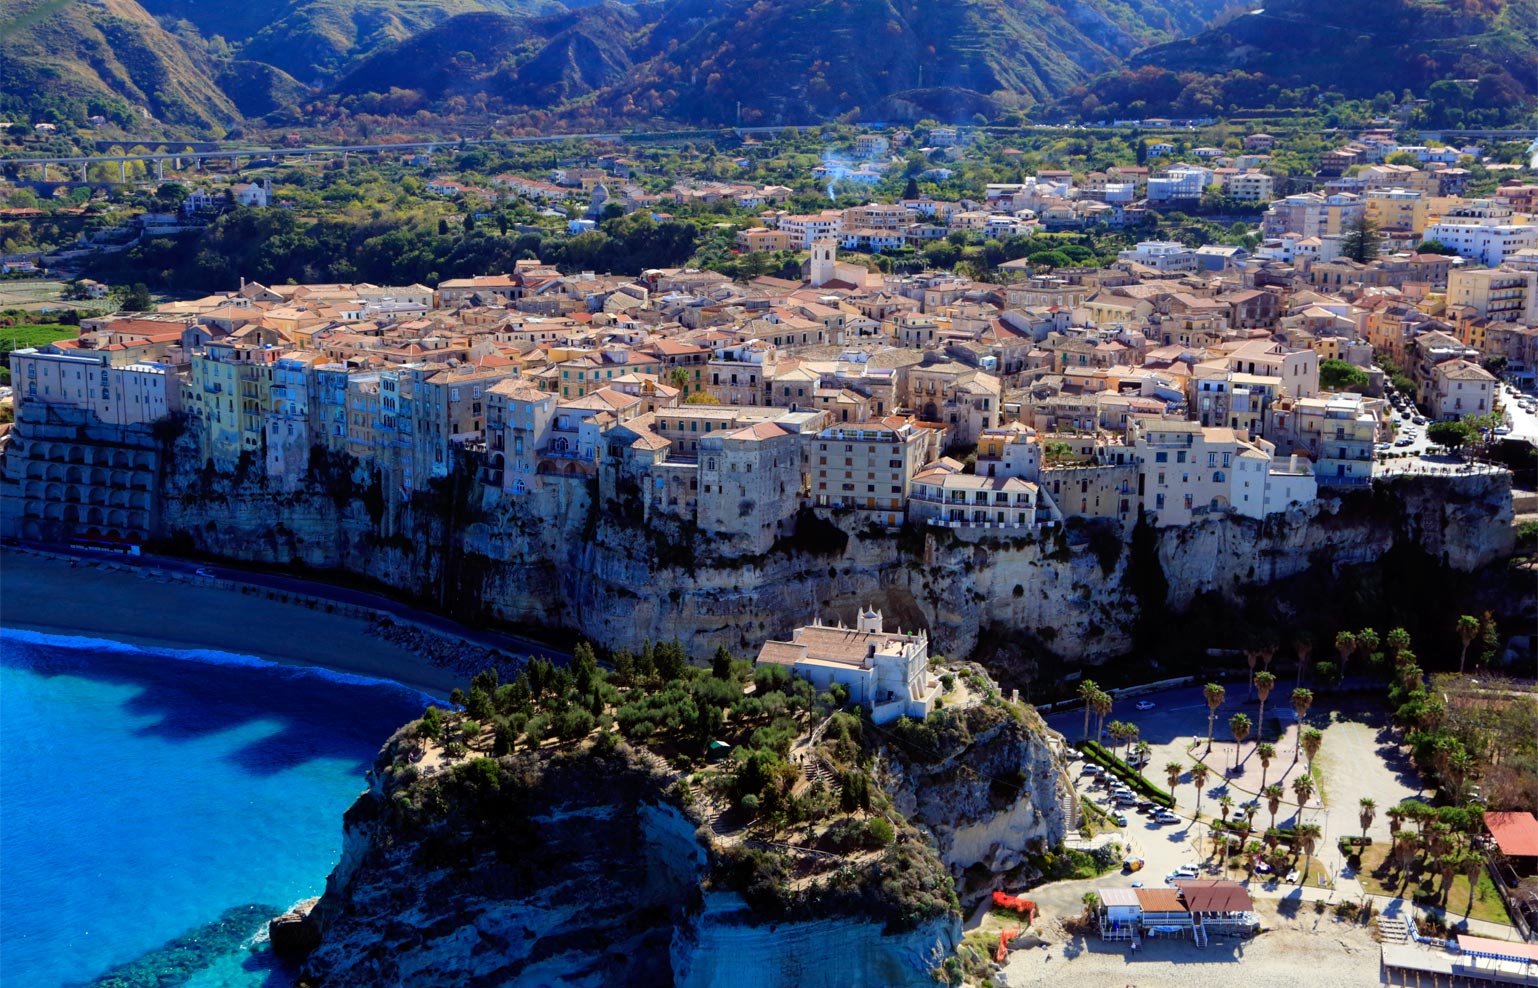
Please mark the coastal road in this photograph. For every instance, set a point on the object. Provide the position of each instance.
(512, 644)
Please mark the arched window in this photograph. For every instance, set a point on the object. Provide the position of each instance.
(1217, 476)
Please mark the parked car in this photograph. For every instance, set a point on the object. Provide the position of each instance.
(1183, 872)
(1145, 704)
(1165, 816)
(1120, 818)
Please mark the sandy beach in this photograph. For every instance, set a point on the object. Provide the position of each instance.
(102, 601)
(1304, 949)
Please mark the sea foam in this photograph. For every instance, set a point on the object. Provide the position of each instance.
(207, 656)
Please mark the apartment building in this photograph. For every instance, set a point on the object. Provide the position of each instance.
(1311, 214)
(1498, 294)
(1460, 388)
(869, 467)
(1337, 431)
(1187, 471)
(1484, 231)
(136, 393)
(229, 394)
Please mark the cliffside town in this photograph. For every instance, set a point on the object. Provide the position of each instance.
(680, 455)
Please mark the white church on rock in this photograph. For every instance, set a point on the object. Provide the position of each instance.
(887, 672)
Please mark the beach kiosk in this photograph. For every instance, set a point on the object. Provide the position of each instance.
(1120, 913)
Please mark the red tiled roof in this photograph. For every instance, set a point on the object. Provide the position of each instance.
(1515, 833)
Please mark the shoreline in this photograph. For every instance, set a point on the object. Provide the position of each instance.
(86, 599)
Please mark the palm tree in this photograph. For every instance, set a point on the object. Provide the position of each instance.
(1087, 690)
(1311, 741)
(1142, 750)
(1345, 644)
(1473, 863)
(1251, 656)
(1240, 724)
(1103, 705)
(1173, 770)
(1303, 645)
(1406, 847)
(1264, 681)
(1303, 789)
(1395, 816)
(1130, 734)
(1091, 903)
(1459, 764)
(1302, 699)
(1367, 811)
(1214, 694)
(1273, 794)
(1252, 851)
(1199, 779)
(1398, 640)
(1468, 630)
(1265, 751)
(1305, 838)
(1114, 730)
(1225, 803)
(1367, 643)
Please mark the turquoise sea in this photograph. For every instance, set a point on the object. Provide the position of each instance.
(157, 806)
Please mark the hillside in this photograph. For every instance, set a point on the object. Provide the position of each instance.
(1477, 60)
(109, 57)
(787, 62)
(196, 64)
(314, 40)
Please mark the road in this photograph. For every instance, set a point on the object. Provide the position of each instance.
(1524, 424)
(512, 644)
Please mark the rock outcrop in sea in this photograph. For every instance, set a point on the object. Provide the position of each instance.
(599, 862)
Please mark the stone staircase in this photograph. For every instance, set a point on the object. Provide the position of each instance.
(1393, 929)
(1069, 803)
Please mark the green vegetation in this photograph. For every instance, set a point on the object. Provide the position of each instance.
(1435, 866)
(1097, 754)
(867, 858)
(1453, 435)
(1337, 375)
(18, 331)
(1469, 62)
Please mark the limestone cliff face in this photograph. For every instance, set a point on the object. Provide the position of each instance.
(553, 558)
(723, 947)
(996, 788)
(567, 869)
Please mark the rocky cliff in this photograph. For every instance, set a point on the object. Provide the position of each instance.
(987, 782)
(570, 867)
(554, 559)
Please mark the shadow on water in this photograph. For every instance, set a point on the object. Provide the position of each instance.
(311, 716)
(177, 960)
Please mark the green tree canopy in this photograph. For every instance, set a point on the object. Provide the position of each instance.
(1337, 375)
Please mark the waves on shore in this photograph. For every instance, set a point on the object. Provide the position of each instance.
(152, 794)
(206, 655)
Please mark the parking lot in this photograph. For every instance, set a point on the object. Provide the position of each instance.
(1356, 759)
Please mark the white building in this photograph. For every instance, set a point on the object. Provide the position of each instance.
(1483, 231)
(1187, 471)
(886, 672)
(1162, 255)
(135, 394)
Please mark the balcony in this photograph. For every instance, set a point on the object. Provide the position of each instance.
(968, 523)
(571, 454)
